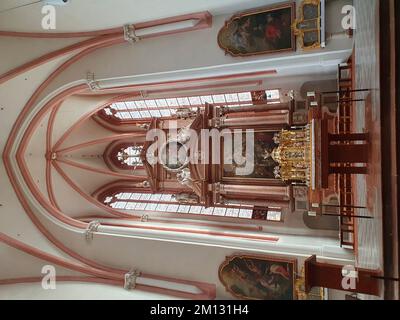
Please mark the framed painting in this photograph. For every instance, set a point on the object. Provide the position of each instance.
(265, 168)
(310, 25)
(252, 277)
(259, 31)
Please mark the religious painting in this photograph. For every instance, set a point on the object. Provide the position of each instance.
(265, 166)
(259, 31)
(259, 277)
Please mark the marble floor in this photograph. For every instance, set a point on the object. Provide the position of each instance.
(367, 119)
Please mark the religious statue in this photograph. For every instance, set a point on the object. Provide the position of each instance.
(277, 172)
(184, 178)
(186, 198)
(277, 138)
(186, 113)
(144, 126)
(183, 135)
(144, 184)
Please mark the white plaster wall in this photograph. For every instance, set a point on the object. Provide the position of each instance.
(17, 51)
(73, 109)
(75, 291)
(35, 156)
(72, 203)
(16, 264)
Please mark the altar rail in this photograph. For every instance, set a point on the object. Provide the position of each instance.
(344, 181)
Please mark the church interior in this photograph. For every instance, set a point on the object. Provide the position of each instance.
(198, 150)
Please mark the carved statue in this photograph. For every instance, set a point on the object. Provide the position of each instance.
(277, 172)
(144, 184)
(144, 126)
(186, 198)
(184, 178)
(186, 113)
(183, 135)
(277, 138)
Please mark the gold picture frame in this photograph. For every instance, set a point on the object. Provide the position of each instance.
(258, 277)
(307, 26)
(265, 30)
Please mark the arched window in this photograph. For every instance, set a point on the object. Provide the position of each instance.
(130, 156)
(145, 109)
(123, 155)
(168, 203)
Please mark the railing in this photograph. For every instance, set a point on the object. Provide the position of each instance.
(343, 182)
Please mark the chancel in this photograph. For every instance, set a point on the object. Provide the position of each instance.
(200, 150)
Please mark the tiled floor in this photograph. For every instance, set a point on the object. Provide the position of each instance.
(370, 237)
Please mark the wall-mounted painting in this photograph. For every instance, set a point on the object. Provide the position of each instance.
(265, 167)
(309, 27)
(259, 277)
(259, 31)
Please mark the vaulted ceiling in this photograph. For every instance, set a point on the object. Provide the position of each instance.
(94, 14)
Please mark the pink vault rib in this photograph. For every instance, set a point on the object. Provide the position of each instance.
(207, 290)
(53, 55)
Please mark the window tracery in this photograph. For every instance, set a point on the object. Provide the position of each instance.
(130, 156)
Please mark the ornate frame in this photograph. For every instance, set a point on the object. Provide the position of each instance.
(229, 259)
(300, 32)
(251, 12)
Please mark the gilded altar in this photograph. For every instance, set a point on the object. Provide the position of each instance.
(293, 155)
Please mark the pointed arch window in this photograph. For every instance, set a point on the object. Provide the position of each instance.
(167, 203)
(130, 156)
(145, 109)
(124, 156)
